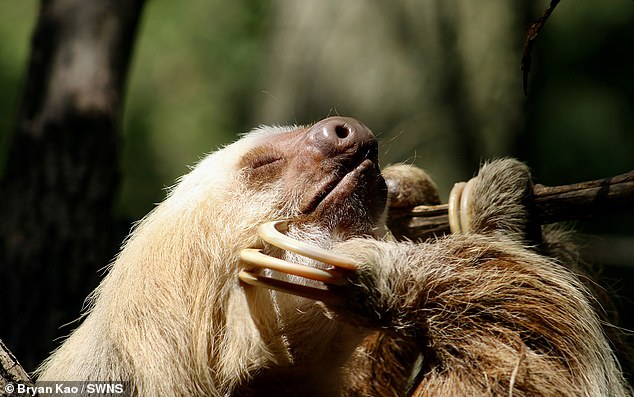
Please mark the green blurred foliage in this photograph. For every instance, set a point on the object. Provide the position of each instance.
(582, 108)
(201, 69)
(438, 81)
(17, 19)
(192, 75)
(580, 116)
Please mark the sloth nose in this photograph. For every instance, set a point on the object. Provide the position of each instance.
(340, 134)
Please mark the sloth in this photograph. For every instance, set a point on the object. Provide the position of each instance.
(471, 314)
(203, 300)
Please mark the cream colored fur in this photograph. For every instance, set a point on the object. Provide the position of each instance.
(171, 317)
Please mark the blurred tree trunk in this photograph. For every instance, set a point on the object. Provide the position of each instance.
(56, 197)
(438, 80)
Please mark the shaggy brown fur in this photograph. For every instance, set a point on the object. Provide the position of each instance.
(384, 363)
(409, 186)
(488, 315)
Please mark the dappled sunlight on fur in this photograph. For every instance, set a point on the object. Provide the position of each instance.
(481, 314)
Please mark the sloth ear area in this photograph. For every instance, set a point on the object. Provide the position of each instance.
(331, 279)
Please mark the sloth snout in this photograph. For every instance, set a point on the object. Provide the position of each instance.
(337, 135)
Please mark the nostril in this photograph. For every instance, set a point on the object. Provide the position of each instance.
(342, 131)
(338, 134)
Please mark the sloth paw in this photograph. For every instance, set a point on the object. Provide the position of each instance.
(496, 201)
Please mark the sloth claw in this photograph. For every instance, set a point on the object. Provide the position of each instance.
(460, 206)
(255, 257)
(454, 207)
(315, 293)
(271, 232)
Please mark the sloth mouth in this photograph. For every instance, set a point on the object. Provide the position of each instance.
(339, 186)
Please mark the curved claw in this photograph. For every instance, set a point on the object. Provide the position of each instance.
(319, 294)
(466, 205)
(254, 256)
(270, 232)
(454, 207)
(460, 206)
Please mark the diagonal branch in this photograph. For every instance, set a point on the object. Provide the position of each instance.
(11, 372)
(531, 35)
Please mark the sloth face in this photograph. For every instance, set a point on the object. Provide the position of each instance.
(326, 175)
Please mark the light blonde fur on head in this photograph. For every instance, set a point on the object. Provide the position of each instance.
(170, 315)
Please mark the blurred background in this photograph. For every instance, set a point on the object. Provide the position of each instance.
(438, 81)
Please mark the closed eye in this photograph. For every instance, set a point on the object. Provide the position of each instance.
(264, 161)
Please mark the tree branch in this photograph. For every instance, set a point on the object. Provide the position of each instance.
(531, 35)
(550, 205)
(11, 372)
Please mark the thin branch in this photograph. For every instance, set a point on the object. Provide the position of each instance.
(531, 35)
